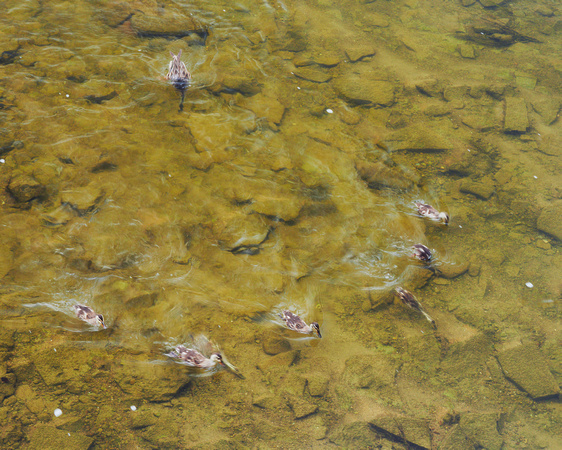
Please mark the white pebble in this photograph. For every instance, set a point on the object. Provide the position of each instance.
(529, 285)
(329, 111)
(67, 95)
(298, 88)
(133, 408)
(460, 226)
(57, 412)
(55, 349)
(2, 160)
(535, 177)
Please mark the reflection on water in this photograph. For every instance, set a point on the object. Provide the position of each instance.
(287, 182)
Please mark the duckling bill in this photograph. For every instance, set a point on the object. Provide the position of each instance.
(409, 300)
(178, 75)
(88, 315)
(295, 323)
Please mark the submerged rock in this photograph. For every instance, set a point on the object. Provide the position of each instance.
(45, 436)
(418, 138)
(482, 430)
(483, 188)
(516, 119)
(549, 220)
(355, 435)
(404, 429)
(526, 367)
(301, 407)
(360, 91)
(25, 188)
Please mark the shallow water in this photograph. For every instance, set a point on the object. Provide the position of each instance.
(288, 181)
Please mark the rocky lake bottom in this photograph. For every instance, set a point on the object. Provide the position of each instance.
(287, 181)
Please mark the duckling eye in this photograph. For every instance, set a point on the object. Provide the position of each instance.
(100, 317)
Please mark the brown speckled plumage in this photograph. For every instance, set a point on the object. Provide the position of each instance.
(421, 252)
(409, 300)
(178, 75)
(430, 212)
(88, 315)
(295, 323)
(193, 358)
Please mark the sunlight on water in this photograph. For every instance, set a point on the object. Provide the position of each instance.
(287, 181)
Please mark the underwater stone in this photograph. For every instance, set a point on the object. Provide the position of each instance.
(358, 52)
(418, 138)
(362, 91)
(516, 119)
(467, 51)
(431, 88)
(301, 407)
(317, 384)
(25, 188)
(378, 176)
(147, 381)
(46, 436)
(355, 435)
(527, 368)
(165, 22)
(452, 270)
(413, 431)
(314, 74)
(264, 106)
(482, 430)
(549, 220)
(7, 383)
(483, 188)
(273, 344)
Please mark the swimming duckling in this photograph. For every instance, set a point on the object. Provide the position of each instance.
(178, 75)
(421, 252)
(409, 300)
(295, 323)
(432, 213)
(88, 315)
(193, 358)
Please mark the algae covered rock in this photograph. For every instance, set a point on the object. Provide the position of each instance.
(359, 90)
(550, 221)
(355, 435)
(145, 380)
(516, 119)
(526, 367)
(42, 437)
(408, 429)
(482, 429)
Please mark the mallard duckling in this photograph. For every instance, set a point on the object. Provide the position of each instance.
(178, 75)
(432, 213)
(421, 252)
(409, 300)
(193, 358)
(88, 315)
(295, 323)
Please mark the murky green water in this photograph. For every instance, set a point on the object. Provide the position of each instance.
(288, 181)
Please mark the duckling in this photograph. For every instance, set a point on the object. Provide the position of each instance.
(193, 358)
(432, 213)
(409, 300)
(178, 75)
(88, 315)
(295, 323)
(422, 253)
